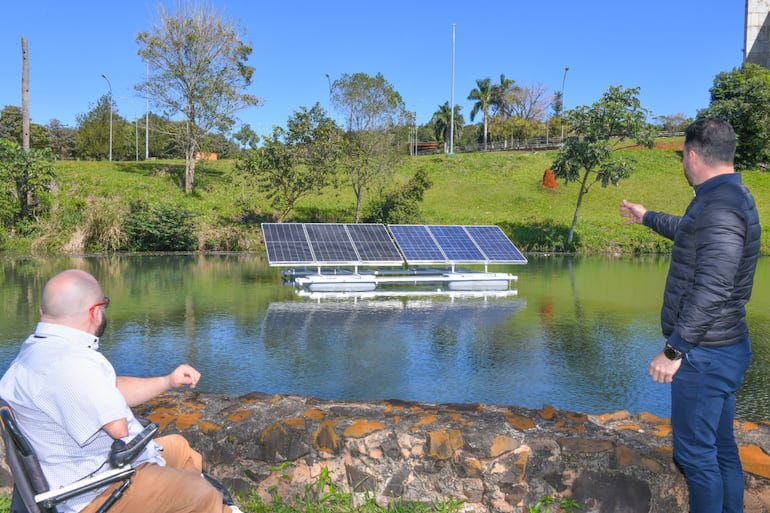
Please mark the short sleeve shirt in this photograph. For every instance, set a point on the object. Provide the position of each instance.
(63, 391)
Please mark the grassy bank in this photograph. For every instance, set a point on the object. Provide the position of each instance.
(503, 188)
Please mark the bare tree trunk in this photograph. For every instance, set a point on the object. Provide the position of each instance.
(24, 95)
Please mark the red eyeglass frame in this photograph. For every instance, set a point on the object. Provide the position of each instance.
(104, 303)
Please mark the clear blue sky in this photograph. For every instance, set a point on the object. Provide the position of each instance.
(671, 49)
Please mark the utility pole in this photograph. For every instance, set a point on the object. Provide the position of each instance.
(110, 86)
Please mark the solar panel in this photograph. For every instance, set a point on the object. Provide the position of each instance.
(286, 244)
(457, 244)
(496, 245)
(417, 244)
(331, 243)
(374, 244)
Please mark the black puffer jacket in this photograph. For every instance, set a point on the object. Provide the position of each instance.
(716, 247)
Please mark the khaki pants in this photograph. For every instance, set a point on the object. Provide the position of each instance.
(176, 488)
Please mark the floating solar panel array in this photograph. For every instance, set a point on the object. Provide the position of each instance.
(290, 244)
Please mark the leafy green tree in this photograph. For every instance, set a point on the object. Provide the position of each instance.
(62, 139)
(11, 128)
(92, 138)
(294, 162)
(377, 119)
(484, 95)
(596, 132)
(198, 71)
(442, 122)
(25, 178)
(742, 97)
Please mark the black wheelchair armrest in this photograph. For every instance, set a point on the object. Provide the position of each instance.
(122, 452)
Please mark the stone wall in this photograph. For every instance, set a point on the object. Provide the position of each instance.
(497, 458)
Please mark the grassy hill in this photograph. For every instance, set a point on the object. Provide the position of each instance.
(503, 188)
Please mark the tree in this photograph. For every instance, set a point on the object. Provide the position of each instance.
(62, 139)
(483, 94)
(442, 122)
(92, 137)
(375, 115)
(504, 96)
(11, 127)
(596, 133)
(742, 97)
(198, 71)
(296, 161)
(24, 177)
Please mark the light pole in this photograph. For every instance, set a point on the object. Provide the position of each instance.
(110, 86)
(564, 79)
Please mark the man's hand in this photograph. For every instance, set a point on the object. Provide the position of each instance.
(662, 369)
(183, 375)
(633, 212)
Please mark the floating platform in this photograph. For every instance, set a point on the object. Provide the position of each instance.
(390, 279)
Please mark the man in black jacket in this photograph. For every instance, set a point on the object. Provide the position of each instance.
(707, 352)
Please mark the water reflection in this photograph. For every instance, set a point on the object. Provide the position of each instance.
(579, 335)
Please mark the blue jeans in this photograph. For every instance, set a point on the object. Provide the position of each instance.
(702, 413)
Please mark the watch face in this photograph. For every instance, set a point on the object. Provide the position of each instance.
(671, 353)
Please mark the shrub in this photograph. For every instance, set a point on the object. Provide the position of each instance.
(161, 227)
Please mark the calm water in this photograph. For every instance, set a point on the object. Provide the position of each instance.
(578, 335)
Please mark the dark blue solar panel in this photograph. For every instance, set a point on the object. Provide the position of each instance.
(456, 244)
(417, 244)
(331, 243)
(495, 244)
(286, 243)
(374, 244)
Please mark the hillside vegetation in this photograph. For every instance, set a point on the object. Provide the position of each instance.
(92, 200)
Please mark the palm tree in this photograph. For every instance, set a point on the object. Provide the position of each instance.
(441, 121)
(483, 94)
(503, 94)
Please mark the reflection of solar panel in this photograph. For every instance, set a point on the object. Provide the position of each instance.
(329, 244)
(437, 244)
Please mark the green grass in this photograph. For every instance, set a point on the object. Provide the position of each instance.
(502, 188)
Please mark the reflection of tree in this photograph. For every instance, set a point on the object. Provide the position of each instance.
(592, 347)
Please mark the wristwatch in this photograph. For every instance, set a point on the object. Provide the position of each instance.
(672, 353)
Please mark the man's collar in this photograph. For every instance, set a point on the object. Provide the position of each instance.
(717, 180)
(83, 338)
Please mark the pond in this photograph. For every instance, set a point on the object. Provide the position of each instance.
(577, 335)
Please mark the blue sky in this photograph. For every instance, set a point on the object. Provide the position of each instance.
(671, 49)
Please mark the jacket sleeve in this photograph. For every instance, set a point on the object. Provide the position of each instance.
(662, 224)
(719, 239)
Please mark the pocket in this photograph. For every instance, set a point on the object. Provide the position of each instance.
(698, 359)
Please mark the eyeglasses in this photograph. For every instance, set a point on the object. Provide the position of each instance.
(104, 303)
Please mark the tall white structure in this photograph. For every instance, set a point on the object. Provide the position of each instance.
(757, 42)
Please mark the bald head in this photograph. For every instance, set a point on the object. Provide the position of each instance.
(68, 296)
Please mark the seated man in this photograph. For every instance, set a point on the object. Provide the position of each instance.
(71, 405)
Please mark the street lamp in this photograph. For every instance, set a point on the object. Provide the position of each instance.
(564, 79)
(110, 86)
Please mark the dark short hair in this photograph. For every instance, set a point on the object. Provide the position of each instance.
(713, 139)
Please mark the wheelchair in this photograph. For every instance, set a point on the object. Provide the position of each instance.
(31, 492)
